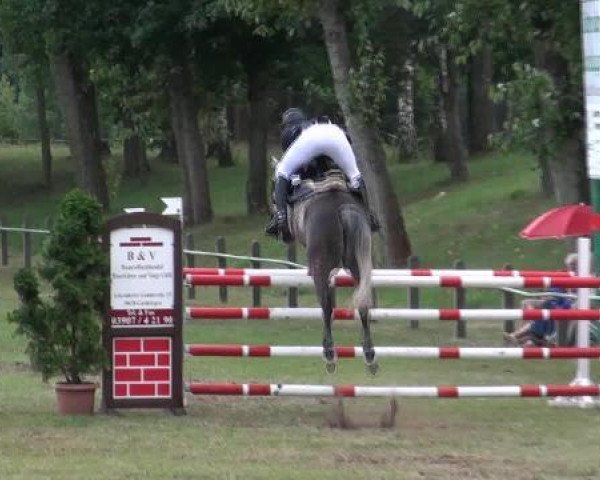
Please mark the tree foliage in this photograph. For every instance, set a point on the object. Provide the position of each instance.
(533, 111)
(129, 50)
(64, 334)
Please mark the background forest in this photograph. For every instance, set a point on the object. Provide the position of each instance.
(187, 79)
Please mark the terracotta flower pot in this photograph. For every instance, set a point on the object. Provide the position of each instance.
(75, 398)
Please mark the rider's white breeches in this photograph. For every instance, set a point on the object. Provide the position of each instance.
(320, 139)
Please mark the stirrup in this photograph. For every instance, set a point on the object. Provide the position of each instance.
(272, 228)
(277, 224)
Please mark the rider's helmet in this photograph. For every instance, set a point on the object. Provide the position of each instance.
(292, 116)
(292, 123)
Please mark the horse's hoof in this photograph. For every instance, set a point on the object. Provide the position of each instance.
(331, 367)
(372, 368)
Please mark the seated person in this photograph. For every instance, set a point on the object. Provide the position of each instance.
(595, 333)
(539, 332)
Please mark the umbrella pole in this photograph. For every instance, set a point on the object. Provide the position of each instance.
(582, 375)
(595, 200)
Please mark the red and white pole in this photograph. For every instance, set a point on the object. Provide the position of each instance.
(444, 314)
(446, 391)
(444, 353)
(428, 281)
(418, 272)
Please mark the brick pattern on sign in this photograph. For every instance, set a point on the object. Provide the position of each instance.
(142, 367)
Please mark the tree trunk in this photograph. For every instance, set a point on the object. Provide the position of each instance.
(567, 171)
(256, 186)
(450, 148)
(238, 121)
(564, 171)
(366, 141)
(135, 162)
(407, 132)
(481, 107)
(547, 188)
(189, 145)
(215, 133)
(223, 144)
(77, 98)
(546, 178)
(101, 144)
(40, 92)
(168, 150)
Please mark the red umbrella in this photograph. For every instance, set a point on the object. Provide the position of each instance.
(577, 220)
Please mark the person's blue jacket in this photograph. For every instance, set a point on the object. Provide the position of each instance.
(545, 328)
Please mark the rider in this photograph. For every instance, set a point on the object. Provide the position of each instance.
(302, 141)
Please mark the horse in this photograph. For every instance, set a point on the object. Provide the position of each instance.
(333, 226)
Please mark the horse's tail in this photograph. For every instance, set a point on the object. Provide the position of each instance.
(357, 237)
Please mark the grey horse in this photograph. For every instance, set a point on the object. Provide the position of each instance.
(334, 228)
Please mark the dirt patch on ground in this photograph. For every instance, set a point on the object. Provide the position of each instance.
(438, 466)
(14, 367)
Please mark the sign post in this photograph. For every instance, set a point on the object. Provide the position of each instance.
(142, 330)
(590, 30)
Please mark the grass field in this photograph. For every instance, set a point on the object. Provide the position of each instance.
(285, 438)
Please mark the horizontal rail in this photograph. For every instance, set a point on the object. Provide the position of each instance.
(418, 272)
(525, 353)
(244, 257)
(23, 230)
(451, 314)
(446, 282)
(446, 391)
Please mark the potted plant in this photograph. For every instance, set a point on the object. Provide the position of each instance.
(64, 333)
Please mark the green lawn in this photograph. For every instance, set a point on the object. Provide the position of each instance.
(286, 438)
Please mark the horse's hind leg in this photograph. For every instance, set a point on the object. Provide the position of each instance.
(367, 342)
(363, 312)
(325, 295)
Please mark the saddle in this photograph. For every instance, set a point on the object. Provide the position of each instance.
(304, 188)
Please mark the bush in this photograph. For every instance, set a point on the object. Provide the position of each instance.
(64, 335)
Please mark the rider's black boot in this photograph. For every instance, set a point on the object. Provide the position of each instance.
(361, 192)
(279, 223)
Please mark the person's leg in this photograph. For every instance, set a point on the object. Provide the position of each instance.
(308, 145)
(531, 334)
(335, 144)
(520, 335)
(338, 148)
(524, 330)
(300, 152)
(278, 224)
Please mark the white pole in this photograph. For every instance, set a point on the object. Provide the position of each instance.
(590, 30)
(583, 301)
(582, 376)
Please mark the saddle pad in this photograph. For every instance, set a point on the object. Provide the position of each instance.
(334, 181)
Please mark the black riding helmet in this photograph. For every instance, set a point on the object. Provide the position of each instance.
(292, 116)
(293, 121)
